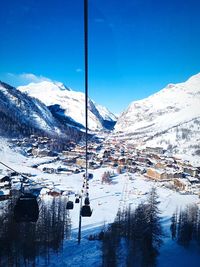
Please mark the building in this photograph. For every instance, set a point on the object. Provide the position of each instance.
(154, 150)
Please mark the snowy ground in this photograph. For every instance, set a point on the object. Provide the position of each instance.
(105, 200)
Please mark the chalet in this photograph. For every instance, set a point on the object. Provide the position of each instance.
(106, 153)
(178, 174)
(149, 162)
(4, 194)
(5, 185)
(12, 173)
(154, 150)
(122, 161)
(154, 156)
(193, 180)
(160, 165)
(70, 160)
(40, 152)
(158, 174)
(132, 169)
(5, 179)
(141, 159)
(182, 184)
(55, 192)
(81, 162)
(191, 171)
(129, 161)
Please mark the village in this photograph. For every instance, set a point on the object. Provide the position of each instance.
(152, 163)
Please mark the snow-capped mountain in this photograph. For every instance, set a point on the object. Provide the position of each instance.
(70, 104)
(169, 118)
(105, 113)
(22, 115)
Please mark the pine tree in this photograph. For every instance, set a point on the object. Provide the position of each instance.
(173, 226)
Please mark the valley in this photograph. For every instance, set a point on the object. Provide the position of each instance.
(149, 147)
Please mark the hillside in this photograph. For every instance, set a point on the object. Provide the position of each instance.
(22, 115)
(169, 118)
(70, 105)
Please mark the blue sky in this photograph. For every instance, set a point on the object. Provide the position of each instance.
(136, 47)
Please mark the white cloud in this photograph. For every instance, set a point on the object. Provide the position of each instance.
(79, 70)
(26, 78)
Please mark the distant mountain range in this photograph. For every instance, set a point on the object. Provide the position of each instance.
(49, 108)
(169, 118)
(69, 105)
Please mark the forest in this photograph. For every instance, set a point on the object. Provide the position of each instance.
(133, 239)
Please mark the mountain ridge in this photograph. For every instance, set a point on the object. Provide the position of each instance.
(22, 115)
(150, 120)
(71, 102)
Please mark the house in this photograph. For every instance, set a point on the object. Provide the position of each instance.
(70, 160)
(81, 162)
(55, 192)
(191, 171)
(5, 179)
(132, 169)
(154, 156)
(177, 174)
(155, 150)
(129, 161)
(156, 174)
(141, 159)
(160, 165)
(4, 194)
(193, 180)
(182, 184)
(122, 161)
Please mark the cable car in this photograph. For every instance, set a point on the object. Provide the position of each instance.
(70, 205)
(86, 211)
(26, 208)
(77, 200)
(87, 201)
(89, 176)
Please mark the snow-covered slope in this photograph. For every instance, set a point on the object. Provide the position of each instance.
(170, 116)
(105, 113)
(24, 111)
(72, 103)
(22, 115)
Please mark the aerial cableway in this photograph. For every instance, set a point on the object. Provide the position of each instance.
(26, 208)
(85, 210)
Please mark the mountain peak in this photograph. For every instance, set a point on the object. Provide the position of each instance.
(71, 103)
(168, 117)
(44, 85)
(61, 86)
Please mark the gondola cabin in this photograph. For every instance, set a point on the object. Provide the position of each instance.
(86, 211)
(87, 201)
(70, 205)
(26, 208)
(77, 200)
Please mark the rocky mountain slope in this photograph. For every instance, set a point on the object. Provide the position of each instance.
(70, 105)
(169, 118)
(22, 115)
